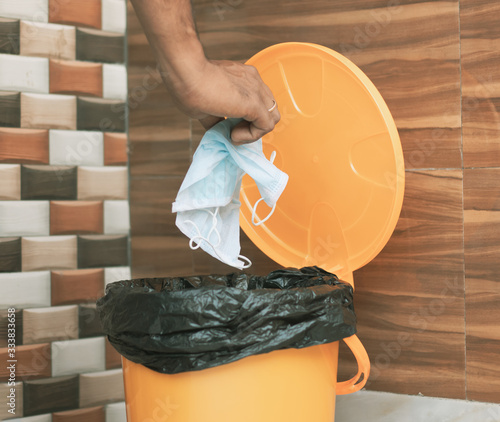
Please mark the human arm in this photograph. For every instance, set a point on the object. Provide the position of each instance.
(208, 90)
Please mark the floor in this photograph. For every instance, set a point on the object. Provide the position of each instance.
(388, 407)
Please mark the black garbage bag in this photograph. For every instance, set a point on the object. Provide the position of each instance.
(181, 324)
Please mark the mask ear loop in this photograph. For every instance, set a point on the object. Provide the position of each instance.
(254, 214)
(195, 241)
(244, 258)
(254, 209)
(199, 238)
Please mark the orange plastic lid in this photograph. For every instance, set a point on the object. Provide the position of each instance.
(339, 144)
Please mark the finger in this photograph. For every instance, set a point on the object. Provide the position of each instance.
(276, 115)
(245, 132)
(210, 121)
(250, 131)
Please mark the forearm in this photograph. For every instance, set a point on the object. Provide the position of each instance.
(170, 29)
(208, 90)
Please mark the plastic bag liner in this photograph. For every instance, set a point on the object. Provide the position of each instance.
(181, 324)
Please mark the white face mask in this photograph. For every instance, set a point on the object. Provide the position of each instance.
(207, 204)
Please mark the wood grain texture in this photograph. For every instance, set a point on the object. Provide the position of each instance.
(76, 286)
(5, 391)
(160, 158)
(113, 358)
(161, 256)
(48, 40)
(24, 289)
(78, 356)
(10, 109)
(89, 324)
(33, 362)
(22, 218)
(99, 46)
(73, 77)
(48, 111)
(29, 146)
(482, 257)
(90, 414)
(204, 263)
(87, 13)
(115, 149)
(151, 212)
(9, 36)
(410, 298)
(10, 188)
(5, 320)
(51, 252)
(10, 254)
(480, 75)
(153, 115)
(49, 324)
(50, 395)
(102, 251)
(101, 387)
(48, 182)
(96, 183)
(76, 217)
(24, 74)
(97, 114)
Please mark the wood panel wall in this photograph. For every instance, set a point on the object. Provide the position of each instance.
(428, 305)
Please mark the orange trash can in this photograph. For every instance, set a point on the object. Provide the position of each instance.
(284, 385)
(339, 144)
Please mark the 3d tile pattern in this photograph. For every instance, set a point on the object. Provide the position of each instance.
(89, 324)
(78, 356)
(50, 395)
(28, 146)
(25, 74)
(88, 13)
(77, 78)
(63, 202)
(47, 40)
(34, 361)
(9, 36)
(51, 323)
(6, 319)
(95, 387)
(90, 414)
(115, 149)
(10, 109)
(76, 286)
(5, 391)
(82, 217)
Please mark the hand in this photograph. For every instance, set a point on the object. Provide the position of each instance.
(221, 88)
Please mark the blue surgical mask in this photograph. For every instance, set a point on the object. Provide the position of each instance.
(207, 204)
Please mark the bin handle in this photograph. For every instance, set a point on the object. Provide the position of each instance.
(359, 352)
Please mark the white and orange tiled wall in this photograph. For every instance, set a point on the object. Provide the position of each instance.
(64, 211)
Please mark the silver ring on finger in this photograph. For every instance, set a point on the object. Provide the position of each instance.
(273, 107)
